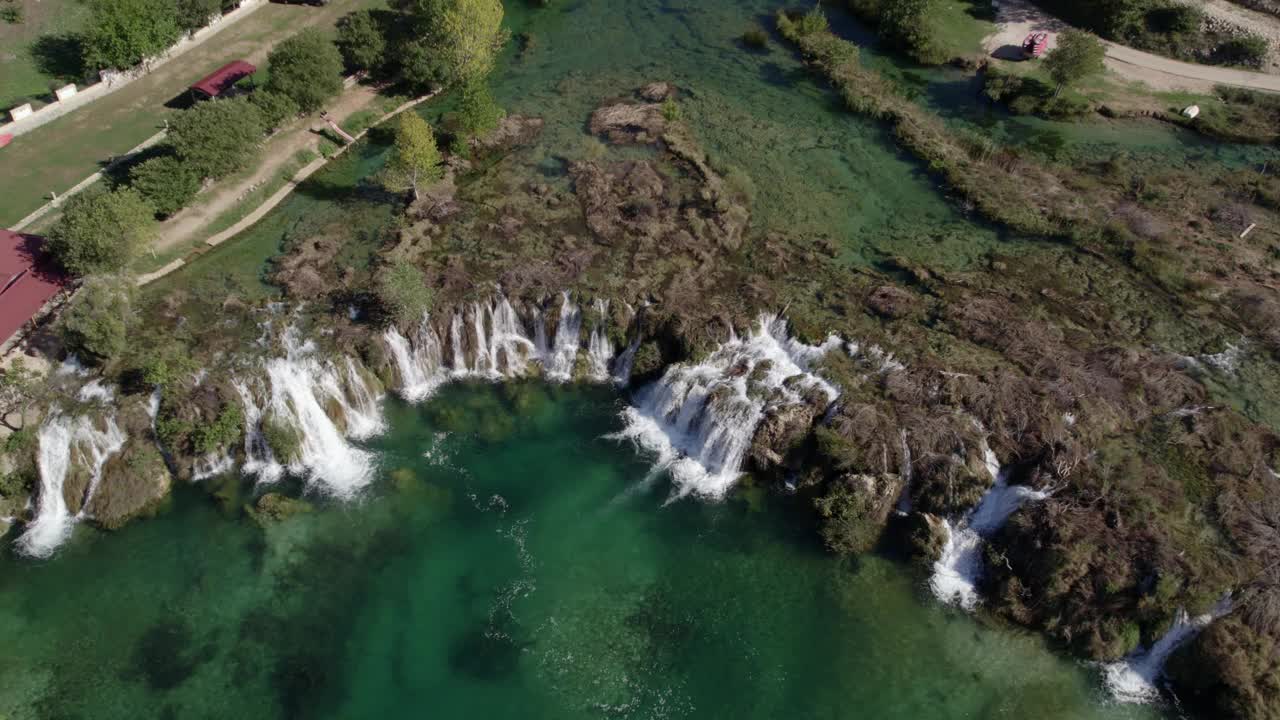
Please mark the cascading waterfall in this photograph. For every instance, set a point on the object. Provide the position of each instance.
(599, 349)
(300, 393)
(957, 572)
(626, 359)
(489, 340)
(1135, 678)
(699, 419)
(558, 362)
(64, 442)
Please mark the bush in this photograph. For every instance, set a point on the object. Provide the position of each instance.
(307, 68)
(102, 233)
(123, 33)
(404, 293)
(165, 182)
(275, 108)
(361, 41)
(1249, 50)
(223, 432)
(195, 14)
(96, 323)
(670, 110)
(478, 113)
(217, 137)
(1175, 20)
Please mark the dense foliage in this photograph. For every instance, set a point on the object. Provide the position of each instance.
(102, 233)
(217, 137)
(123, 33)
(415, 159)
(195, 14)
(96, 323)
(404, 293)
(276, 109)
(166, 182)
(307, 68)
(361, 40)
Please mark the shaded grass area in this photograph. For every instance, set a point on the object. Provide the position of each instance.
(41, 52)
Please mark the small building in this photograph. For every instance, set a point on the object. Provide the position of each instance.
(29, 278)
(222, 79)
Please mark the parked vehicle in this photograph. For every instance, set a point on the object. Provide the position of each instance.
(1035, 45)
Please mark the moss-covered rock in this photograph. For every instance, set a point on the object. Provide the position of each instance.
(1229, 670)
(854, 511)
(135, 483)
(274, 507)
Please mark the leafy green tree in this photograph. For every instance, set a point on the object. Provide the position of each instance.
(102, 233)
(18, 388)
(165, 365)
(415, 159)
(1077, 56)
(361, 40)
(217, 137)
(478, 113)
(307, 68)
(96, 323)
(195, 14)
(123, 33)
(905, 23)
(420, 65)
(404, 293)
(166, 182)
(471, 35)
(276, 108)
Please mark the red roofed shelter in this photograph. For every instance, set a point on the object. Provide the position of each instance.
(28, 279)
(221, 80)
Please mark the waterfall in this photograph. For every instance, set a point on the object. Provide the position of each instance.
(622, 368)
(599, 349)
(505, 352)
(258, 458)
(421, 363)
(699, 419)
(61, 439)
(1134, 678)
(558, 363)
(455, 342)
(95, 391)
(212, 465)
(957, 572)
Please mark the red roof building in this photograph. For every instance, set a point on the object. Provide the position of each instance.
(28, 279)
(223, 78)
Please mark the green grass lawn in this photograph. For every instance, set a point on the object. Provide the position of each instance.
(959, 26)
(35, 54)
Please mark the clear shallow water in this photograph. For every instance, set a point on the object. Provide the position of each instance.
(509, 563)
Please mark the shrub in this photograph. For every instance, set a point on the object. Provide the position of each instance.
(275, 108)
(123, 33)
(361, 41)
(404, 293)
(1249, 50)
(217, 137)
(165, 182)
(1175, 19)
(102, 233)
(307, 68)
(814, 21)
(96, 323)
(223, 432)
(478, 113)
(670, 110)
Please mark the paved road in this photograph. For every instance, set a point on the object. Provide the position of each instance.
(1018, 18)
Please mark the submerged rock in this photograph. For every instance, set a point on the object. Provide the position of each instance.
(134, 484)
(629, 123)
(656, 92)
(274, 507)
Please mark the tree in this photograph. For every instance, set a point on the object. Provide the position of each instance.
(217, 137)
(123, 33)
(165, 182)
(18, 386)
(96, 324)
(195, 14)
(478, 113)
(470, 36)
(307, 68)
(404, 292)
(276, 108)
(415, 160)
(361, 40)
(906, 24)
(102, 233)
(1077, 56)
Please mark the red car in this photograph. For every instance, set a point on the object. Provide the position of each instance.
(1035, 45)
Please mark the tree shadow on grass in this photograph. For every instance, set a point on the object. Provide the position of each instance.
(60, 56)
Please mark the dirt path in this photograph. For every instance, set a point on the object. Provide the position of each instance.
(281, 149)
(1018, 18)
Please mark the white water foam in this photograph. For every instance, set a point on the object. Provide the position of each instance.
(957, 572)
(64, 442)
(698, 420)
(214, 464)
(558, 362)
(599, 349)
(1135, 679)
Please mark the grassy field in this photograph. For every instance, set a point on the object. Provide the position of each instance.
(959, 26)
(60, 154)
(34, 54)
